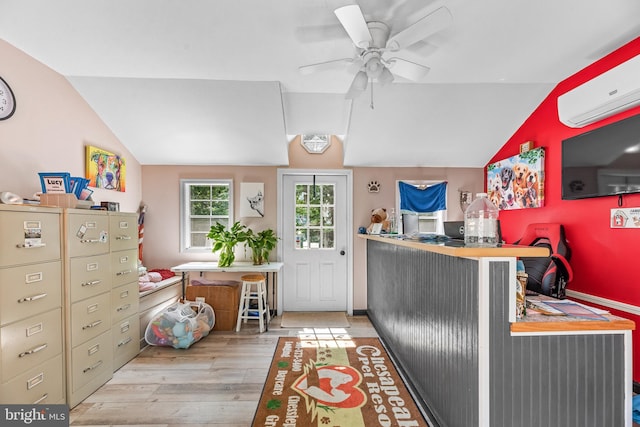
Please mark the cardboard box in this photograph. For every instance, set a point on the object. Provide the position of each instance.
(64, 200)
(224, 297)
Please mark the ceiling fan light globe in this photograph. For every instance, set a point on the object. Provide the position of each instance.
(374, 67)
(385, 77)
(358, 85)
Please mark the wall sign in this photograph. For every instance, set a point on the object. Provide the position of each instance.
(625, 218)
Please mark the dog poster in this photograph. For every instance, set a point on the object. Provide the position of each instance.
(517, 182)
(251, 199)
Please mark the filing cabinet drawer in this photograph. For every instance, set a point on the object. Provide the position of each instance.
(43, 384)
(92, 360)
(90, 317)
(126, 341)
(89, 276)
(123, 231)
(124, 266)
(29, 237)
(28, 290)
(30, 342)
(124, 301)
(87, 233)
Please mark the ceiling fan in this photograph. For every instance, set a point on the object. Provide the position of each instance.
(373, 43)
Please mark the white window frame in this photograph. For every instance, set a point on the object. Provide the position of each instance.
(439, 216)
(185, 215)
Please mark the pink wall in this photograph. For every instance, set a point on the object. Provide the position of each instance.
(161, 195)
(161, 189)
(49, 130)
(603, 258)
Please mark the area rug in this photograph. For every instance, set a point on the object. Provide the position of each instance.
(314, 319)
(346, 383)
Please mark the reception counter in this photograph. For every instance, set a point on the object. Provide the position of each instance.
(447, 315)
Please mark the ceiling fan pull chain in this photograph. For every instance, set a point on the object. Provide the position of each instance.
(371, 105)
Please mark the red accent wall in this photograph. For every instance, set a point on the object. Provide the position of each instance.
(606, 262)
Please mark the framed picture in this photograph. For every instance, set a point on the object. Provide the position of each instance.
(104, 169)
(251, 199)
(517, 182)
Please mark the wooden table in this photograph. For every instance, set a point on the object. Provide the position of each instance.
(271, 268)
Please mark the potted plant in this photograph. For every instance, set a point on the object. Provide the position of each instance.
(225, 241)
(261, 244)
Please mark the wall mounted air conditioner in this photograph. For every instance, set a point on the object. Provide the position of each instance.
(611, 92)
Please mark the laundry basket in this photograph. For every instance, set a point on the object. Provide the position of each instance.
(180, 325)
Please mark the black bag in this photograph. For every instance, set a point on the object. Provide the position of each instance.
(547, 276)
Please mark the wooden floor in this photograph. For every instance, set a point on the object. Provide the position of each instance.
(216, 382)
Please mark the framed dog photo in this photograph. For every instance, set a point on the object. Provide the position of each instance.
(517, 182)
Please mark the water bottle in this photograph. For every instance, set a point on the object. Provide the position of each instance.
(481, 223)
(393, 225)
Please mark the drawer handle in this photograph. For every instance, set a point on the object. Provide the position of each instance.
(92, 325)
(33, 382)
(124, 342)
(32, 298)
(33, 350)
(123, 237)
(43, 398)
(124, 307)
(92, 367)
(122, 273)
(90, 241)
(91, 283)
(30, 245)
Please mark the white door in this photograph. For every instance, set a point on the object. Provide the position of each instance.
(315, 242)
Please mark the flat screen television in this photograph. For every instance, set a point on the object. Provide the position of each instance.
(602, 162)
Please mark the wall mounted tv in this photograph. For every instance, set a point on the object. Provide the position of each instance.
(602, 162)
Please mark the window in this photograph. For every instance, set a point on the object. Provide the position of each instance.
(203, 202)
(315, 207)
(423, 222)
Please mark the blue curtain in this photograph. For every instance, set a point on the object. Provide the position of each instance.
(431, 199)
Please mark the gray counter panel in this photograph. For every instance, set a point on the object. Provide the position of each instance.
(428, 318)
(424, 305)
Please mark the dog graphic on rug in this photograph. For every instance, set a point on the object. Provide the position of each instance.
(333, 385)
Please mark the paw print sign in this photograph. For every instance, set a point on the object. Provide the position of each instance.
(374, 186)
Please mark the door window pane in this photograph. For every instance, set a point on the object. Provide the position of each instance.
(314, 219)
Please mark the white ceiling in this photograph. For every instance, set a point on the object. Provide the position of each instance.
(217, 81)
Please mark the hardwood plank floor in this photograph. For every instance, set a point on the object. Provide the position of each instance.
(216, 382)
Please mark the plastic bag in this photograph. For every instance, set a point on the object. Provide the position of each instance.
(180, 325)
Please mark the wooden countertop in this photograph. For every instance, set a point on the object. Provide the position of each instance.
(547, 324)
(536, 321)
(462, 251)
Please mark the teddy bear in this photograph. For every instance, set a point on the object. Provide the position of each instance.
(379, 216)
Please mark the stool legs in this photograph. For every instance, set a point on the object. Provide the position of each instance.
(260, 296)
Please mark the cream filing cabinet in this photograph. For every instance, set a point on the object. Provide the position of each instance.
(88, 285)
(31, 329)
(123, 236)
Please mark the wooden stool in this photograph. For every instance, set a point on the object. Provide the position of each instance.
(259, 295)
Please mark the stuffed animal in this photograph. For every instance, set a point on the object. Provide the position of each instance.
(379, 215)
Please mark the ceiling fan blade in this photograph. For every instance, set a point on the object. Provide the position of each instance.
(407, 69)
(437, 20)
(353, 21)
(326, 65)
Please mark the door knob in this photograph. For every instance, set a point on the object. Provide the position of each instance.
(342, 252)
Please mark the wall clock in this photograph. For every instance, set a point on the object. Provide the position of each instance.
(7, 100)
